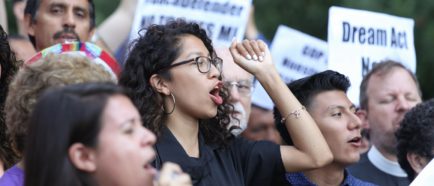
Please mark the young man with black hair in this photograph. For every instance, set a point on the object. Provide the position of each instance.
(324, 97)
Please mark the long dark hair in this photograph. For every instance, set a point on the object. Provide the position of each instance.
(157, 49)
(9, 66)
(62, 117)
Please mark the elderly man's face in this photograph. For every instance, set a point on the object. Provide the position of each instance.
(57, 21)
(390, 96)
(239, 83)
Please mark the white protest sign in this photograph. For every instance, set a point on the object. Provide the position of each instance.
(426, 176)
(222, 19)
(357, 39)
(295, 55)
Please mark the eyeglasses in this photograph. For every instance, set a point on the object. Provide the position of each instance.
(244, 87)
(203, 64)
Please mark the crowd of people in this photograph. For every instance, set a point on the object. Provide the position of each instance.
(180, 112)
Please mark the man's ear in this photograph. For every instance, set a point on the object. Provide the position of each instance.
(159, 84)
(416, 161)
(82, 157)
(18, 10)
(29, 24)
(92, 31)
(363, 116)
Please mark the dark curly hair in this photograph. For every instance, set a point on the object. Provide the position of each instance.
(9, 66)
(156, 50)
(416, 135)
(307, 88)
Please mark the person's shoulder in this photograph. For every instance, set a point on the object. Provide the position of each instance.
(298, 178)
(353, 181)
(14, 176)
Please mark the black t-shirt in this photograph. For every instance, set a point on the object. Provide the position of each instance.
(243, 162)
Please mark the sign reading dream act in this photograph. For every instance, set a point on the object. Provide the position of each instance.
(358, 39)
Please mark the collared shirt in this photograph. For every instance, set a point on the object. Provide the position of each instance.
(243, 162)
(382, 163)
(368, 169)
(299, 179)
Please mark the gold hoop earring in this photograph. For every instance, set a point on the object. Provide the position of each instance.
(174, 105)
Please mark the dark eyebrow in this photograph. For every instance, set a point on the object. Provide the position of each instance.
(56, 4)
(341, 107)
(80, 9)
(195, 54)
(334, 107)
(63, 5)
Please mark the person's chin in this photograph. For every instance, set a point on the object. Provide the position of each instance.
(350, 159)
(353, 157)
(210, 114)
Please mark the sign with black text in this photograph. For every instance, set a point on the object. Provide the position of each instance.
(222, 19)
(358, 39)
(296, 55)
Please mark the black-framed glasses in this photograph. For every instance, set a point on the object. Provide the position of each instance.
(203, 64)
(244, 87)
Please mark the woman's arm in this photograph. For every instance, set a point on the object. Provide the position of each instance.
(118, 24)
(310, 149)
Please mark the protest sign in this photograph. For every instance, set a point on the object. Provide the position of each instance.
(295, 55)
(358, 39)
(222, 19)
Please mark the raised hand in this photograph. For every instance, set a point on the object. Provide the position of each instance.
(252, 55)
(172, 175)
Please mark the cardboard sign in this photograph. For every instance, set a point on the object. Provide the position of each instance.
(358, 39)
(222, 19)
(296, 55)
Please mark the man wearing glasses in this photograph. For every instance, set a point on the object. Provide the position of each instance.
(240, 84)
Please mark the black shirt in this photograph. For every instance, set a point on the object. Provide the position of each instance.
(243, 162)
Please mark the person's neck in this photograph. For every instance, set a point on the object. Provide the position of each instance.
(329, 175)
(20, 164)
(186, 130)
(386, 154)
(379, 161)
